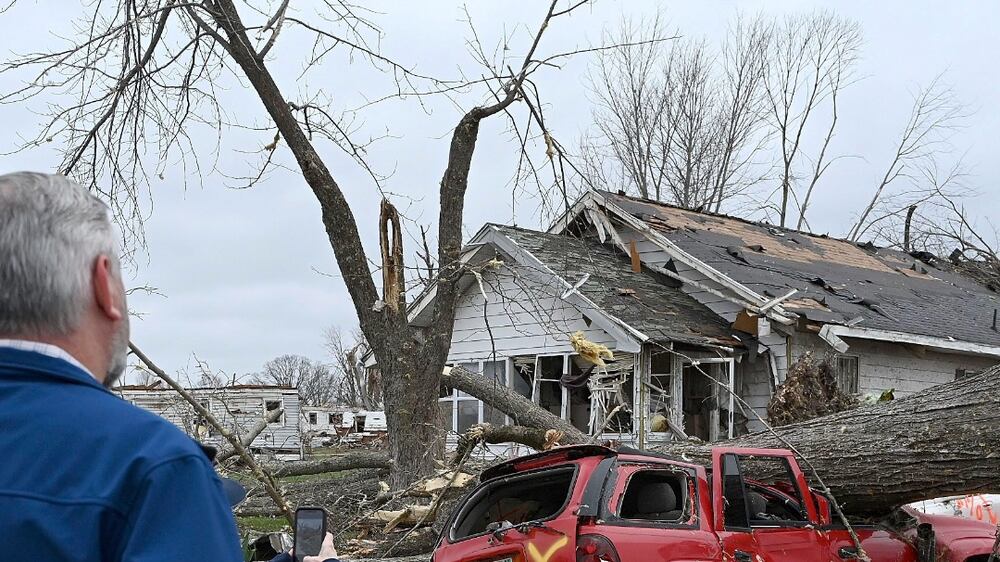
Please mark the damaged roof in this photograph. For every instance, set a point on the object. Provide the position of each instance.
(837, 280)
(647, 301)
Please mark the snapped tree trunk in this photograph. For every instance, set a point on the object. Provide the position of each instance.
(942, 441)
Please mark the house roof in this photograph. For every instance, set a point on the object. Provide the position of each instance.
(646, 301)
(837, 280)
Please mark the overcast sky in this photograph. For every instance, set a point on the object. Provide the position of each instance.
(246, 275)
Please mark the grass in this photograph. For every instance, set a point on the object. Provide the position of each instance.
(262, 524)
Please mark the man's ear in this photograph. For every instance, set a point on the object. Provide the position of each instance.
(106, 291)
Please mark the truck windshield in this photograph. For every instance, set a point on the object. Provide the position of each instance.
(534, 496)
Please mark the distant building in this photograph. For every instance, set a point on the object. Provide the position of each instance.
(238, 407)
(322, 425)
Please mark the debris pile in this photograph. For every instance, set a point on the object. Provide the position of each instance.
(809, 391)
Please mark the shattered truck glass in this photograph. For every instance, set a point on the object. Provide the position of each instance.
(592, 504)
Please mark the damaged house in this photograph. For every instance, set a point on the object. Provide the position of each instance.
(634, 319)
(238, 407)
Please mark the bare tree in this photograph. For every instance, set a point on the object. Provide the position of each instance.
(356, 386)
(144, 72)
(812, 57)
(935, 116)
(315, 381)
(631, 112)
(674, 121)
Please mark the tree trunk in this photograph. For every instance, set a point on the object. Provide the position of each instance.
(412, 411)
(349, 461)
(523, 411)
(942, 441)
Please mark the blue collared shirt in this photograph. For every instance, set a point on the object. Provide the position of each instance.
(88, 477)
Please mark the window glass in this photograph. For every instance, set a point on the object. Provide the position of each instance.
(468, 414)
(330, 419)
(312, 418)
(531, 497)
(497, 370)
(734, 497)
(493, 416)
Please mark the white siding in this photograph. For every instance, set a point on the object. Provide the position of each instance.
(755, 388)
(516, 316)
(885, 365)
(239, 409)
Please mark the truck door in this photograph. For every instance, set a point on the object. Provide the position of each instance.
(762, 513)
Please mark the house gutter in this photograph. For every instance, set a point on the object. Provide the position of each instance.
(833, 334)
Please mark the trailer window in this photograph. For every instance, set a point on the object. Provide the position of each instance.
(534, 496)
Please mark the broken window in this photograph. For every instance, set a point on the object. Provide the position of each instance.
(272, 405)
(523, 375)
(771, 491)
(331, 419)
(548, 388)
(312, 418)
(535, 496)
(655, 495)
(847, 374)
(661, 384)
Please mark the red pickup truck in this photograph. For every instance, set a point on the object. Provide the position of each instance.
(592, 504)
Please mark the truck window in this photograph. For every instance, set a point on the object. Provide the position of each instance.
(734, 495)
(655, 495)
(534, 496)
(767, 487)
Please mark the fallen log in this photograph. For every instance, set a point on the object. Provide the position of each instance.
(349, 461)
(538, 439)
(943, 441)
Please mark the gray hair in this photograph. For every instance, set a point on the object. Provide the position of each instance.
(51, 231)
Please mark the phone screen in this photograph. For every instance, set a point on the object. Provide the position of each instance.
(310, 526)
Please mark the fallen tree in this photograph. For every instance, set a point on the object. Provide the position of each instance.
(522, 410)
(349, 461)
(942, 441)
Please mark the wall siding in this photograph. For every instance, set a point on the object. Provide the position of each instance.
(239, 409)
(885, 365)
(755, 388)
(516, 316)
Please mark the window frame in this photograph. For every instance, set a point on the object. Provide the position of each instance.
(281, 406)
(485, 487)
(612, 514)
(745, 486)
(456, 397)
(840, 375)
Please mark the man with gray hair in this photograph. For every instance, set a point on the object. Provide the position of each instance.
(85, 475)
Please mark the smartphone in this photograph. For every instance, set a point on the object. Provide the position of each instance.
(310, 528)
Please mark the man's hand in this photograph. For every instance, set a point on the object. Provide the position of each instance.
(326, 552)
